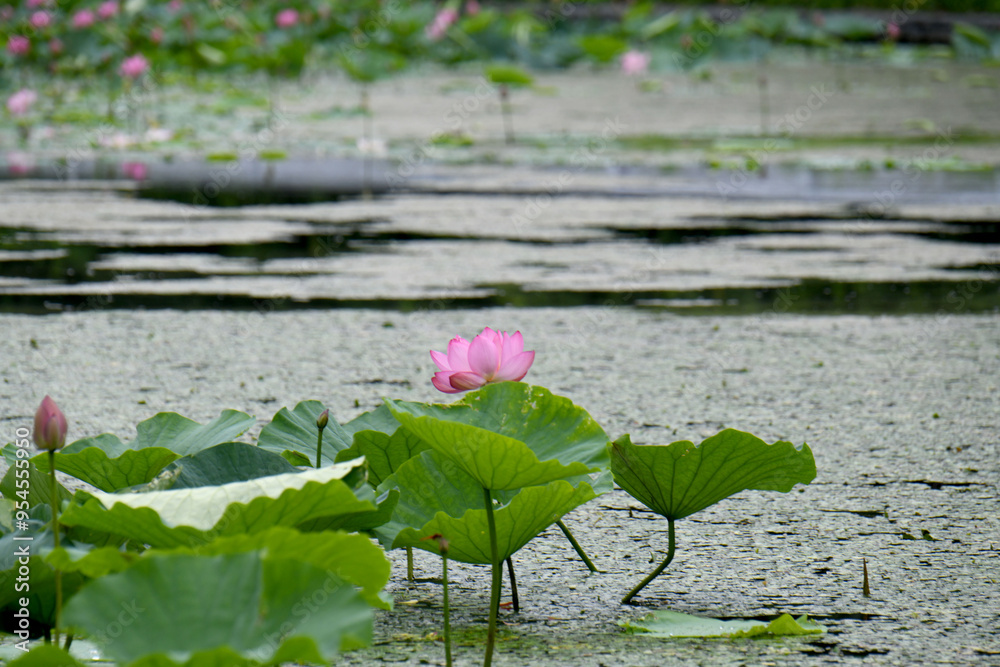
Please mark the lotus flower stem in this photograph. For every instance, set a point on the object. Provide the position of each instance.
(576, 545)
(491, 635)
(513, 584)
(505, 111)
(447, 623)
(409, 563)
(54, 500)
(652, 575)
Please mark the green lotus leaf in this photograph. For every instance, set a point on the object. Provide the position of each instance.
(46, 655)
(39, 584)
(35, 487)
(188, 517)
(109, 464)
(664, 623)
(296, 430)
(384, 453)
(94, 466)
(185, 436)
(379, 419)
(352, 557)
(681, 478)
(510, 75)
(510, 435)
(227, 463)
(436, 496)
(258, 609)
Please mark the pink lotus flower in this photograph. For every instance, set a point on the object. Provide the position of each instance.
(83, 19)
(133, 66)
(40, 19)
(137, 171)
(50, 426)
(635, 62)
(19, 164)
(107, 9)
(286, 18)
(492, 356)
(439, 26)
(18, 45)
(20, 102)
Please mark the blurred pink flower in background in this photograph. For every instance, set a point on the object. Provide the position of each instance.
(107, 9)
(50, 426)
(635, 62)
(472, 7)
(56, 45)
(6, 13)
(156, 35)
(175, 5)
(83, 19)
(286, 18)
(18, 45)
(439, 26)
(40, 19)
(20, 102)
(137, 171)
(492, 356)
(892, 31)
(133, 66)
(36, 3)
(19, 164)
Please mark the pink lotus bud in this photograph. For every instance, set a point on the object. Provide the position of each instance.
(18, 45)
(40, 19)
(107, 9)
(50, 426)
(635, 62)
(439, 26)
(20, 102)
(323, 419)
(137, 171)
(492, 356)
(286, 18)
(133, 66)
(83, 19)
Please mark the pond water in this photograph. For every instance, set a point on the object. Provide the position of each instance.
(795, 241)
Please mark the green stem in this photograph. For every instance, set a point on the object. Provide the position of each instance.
(69, 642)
(447, 622)
(576, 545)
(54, 500)
(409, 563)
(319, 447)
(513, 584)
(491, 634)
(663, 565)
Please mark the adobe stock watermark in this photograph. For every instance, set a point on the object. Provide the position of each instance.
(22, 549)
